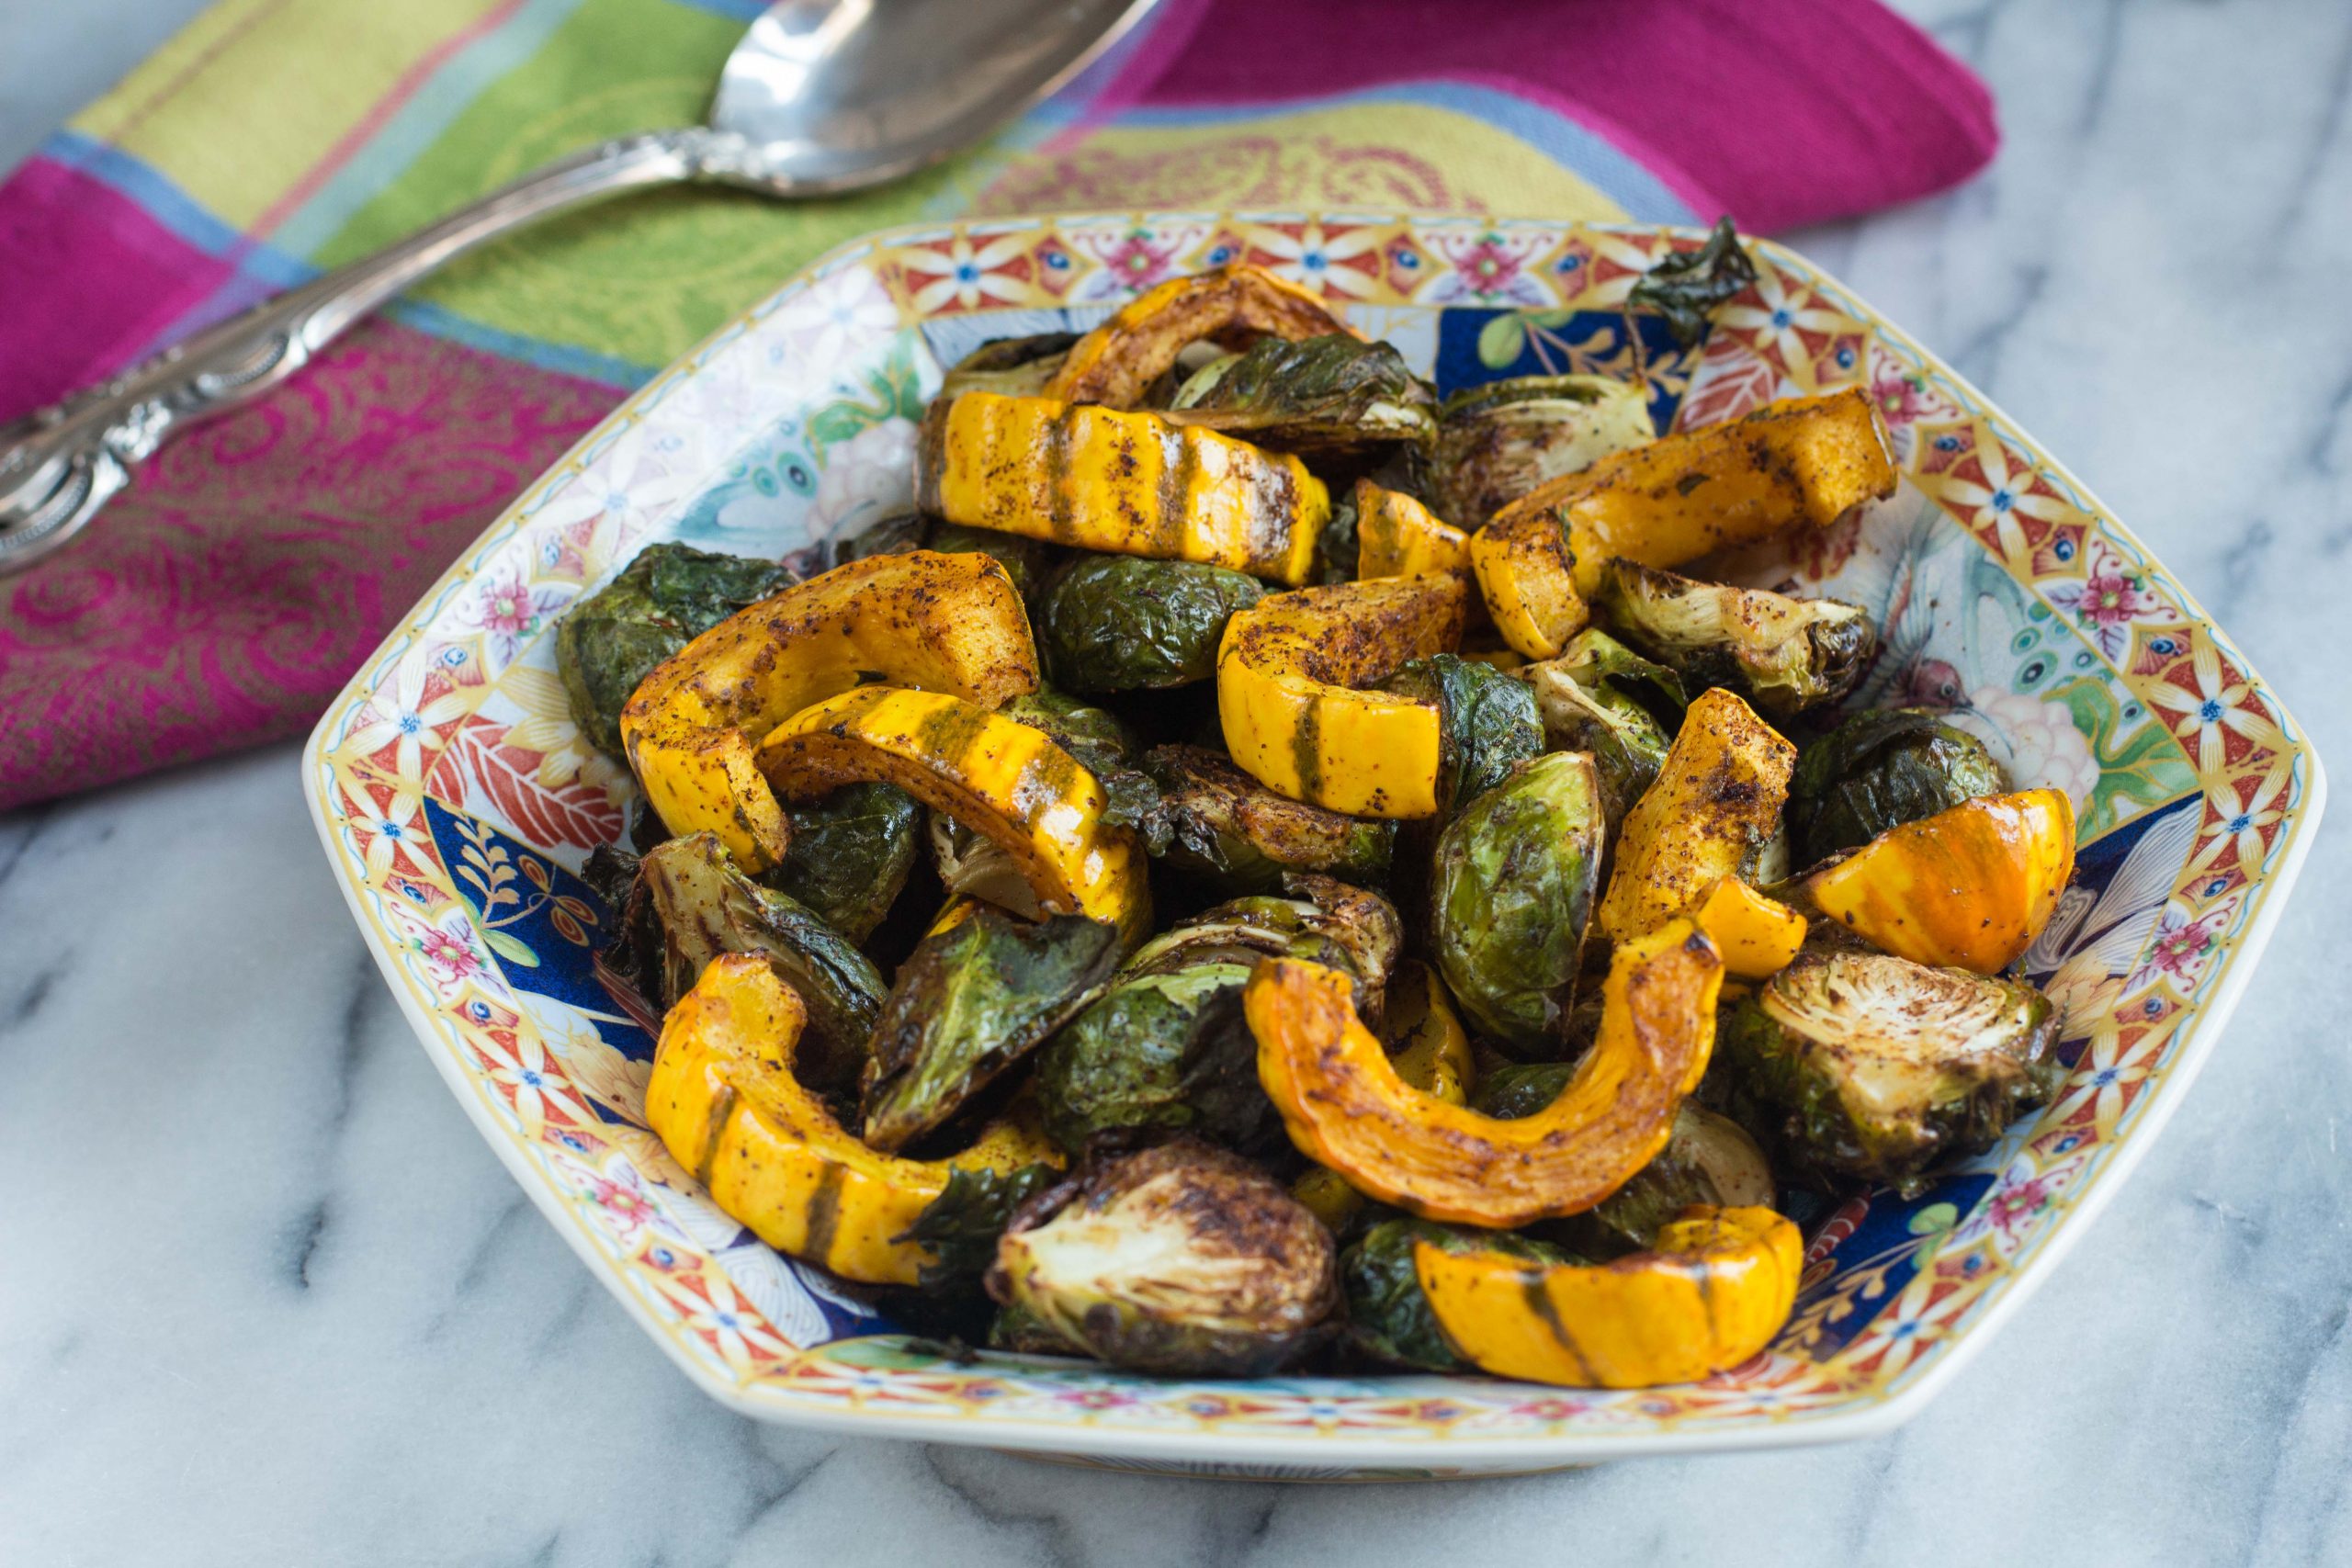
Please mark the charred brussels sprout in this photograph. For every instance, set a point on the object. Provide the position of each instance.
(1333, 396)
(1012, 367)
(1880, 769)
(1388, 1315)
(1127, 624)
(661, 600)
(971, 1001)
(850, 855)
(1497, 442)
(1182, 1260)
(962, 1226)
(1784, 655)
(689, 903)
(1600, 663)
(1877, 1067)
(1217, 823)
(1511, 895)
(1628, 745)
(1324, 921)
(1020, 1332)
(1159, 1052)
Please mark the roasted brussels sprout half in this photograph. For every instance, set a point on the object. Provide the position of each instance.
(1328, 396)
(1784, 655)
(1388, 1315)
(1339, 549)
(1183, 1260)
(850, 855)
(1159, 1052)
(962, 1226)
(1017, 1331)
(1128, 623)
(972, 1000)
(1880, 768)
(689, 903)
(1626, 744)
(1877, 1067)
(1325, 921)
(1518, 1090)
(661, 600)
(1598, 661)
(1015, 366)
(1499, 441)
(1511, 894)
(1217, 823)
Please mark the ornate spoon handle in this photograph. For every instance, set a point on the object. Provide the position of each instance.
(59, 465)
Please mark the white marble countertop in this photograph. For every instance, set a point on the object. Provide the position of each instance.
(266, 1297)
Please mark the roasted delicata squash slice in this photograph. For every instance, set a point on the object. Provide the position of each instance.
(1129, 483)
(1712, 1291)
(1233, 306)
(1758, 936)
(1397, 536)
(1804, 460)
(1716, 801)
(1290, 692)
(1345, 1106)
(1000, 778)
(725, 1102)
(1970, 888)
(951, 624)
(1431, 1051)
(1527, 576)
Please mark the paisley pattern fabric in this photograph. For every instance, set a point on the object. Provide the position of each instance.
(223, 599)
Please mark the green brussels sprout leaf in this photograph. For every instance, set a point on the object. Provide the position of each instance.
(661, 600)
(962, 1226)
(972, 1000)
(1126, 622)
(1326, 397)
(1155, 1054)
(1511, 892)
(1686, 286)
(1880, 768)
(850, 855)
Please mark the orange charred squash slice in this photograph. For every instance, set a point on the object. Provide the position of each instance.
(1345, 1106)
(1712, 1293)
(1970, 888)
(726, 1104)
(945, 623)
(1234, 307)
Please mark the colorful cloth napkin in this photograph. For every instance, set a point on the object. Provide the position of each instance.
(225, 598)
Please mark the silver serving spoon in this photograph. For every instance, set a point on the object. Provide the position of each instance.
(820, 96)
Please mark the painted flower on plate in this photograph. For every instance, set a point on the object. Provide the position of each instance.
(865, 478)
(2036, 740)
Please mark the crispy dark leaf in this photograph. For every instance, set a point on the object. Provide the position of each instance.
(1880, 768)
(850, 855)
(971, 1001)
(661, 600)
(690, 904)
(1213, 820)
(1321, 396)
(1685, 287)
(962, 1225)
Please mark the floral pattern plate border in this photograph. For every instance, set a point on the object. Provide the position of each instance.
(456, 799)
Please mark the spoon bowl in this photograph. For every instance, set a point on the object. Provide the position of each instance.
(819, 96)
